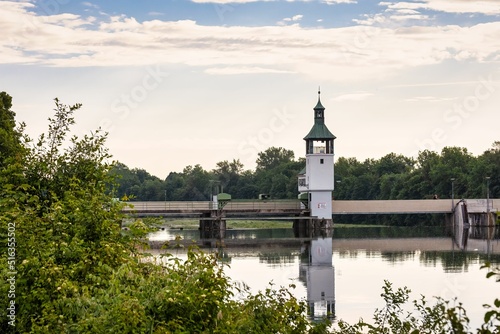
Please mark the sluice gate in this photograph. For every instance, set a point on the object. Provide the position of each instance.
(475, 221)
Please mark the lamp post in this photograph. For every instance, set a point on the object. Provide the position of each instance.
(453, 206)
(487, 200)
(452, 194)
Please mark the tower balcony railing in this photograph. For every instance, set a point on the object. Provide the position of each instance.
(319, 149)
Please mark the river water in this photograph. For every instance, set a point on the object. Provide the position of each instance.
(342, 273)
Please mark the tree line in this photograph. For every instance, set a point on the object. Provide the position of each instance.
(275, 175)
(393, 176)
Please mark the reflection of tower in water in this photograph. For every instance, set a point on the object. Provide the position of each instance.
(318, 274)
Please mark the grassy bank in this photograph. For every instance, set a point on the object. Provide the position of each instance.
(193, 224)
(232, 224)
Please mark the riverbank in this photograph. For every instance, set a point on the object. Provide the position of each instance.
(193, 224)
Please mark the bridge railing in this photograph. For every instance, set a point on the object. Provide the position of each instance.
(194, 206)
(339, 207)
(258, 205)
(167, 206)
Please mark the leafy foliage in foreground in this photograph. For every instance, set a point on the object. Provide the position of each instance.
(77, 272)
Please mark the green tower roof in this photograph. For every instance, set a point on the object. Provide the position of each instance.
(319, 106)
(319, 130)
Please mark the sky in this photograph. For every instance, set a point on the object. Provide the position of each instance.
(178, 83)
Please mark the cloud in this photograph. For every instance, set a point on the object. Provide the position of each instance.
(156, 13)
(488, 7)
(335, 2)
(229, 1)
(356, 96)
(430, 99)
(329, 2)
(351, 53)
(90, 5)
(406, 17)
(371, 19)
(232, 70)
(294, 18)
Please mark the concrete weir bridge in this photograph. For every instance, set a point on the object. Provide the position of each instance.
(291, 209)
(213, 215)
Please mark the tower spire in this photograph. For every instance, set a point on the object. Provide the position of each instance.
(319, 106)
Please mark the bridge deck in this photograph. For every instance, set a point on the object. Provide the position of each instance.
(409, 206)
(293, 207)
(392, 206)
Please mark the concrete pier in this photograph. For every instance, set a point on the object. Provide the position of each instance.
(213, 225)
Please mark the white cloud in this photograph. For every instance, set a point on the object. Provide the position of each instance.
(406, 17)
(350, 53)
(228, 1)
(371, 19)
(334, 2)
(430, 99)
(356, 96)
(489, 7)
(330, 2)
(231, 70)
(294, 18)
(156, 14)
(90, 5)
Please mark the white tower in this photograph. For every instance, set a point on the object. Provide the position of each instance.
(317, 181)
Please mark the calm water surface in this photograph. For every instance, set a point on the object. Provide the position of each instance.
(345, 272)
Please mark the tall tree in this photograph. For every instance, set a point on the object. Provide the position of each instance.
(393, 164)
(197, 184)
(486, 165)
(273, 157)
(227, 174)
(454, 162)
(10, 137)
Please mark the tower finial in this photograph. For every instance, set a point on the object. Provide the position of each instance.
(319, 91)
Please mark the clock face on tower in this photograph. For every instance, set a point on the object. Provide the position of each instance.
(319, 113)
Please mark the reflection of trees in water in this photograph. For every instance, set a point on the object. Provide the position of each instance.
(388, 232)
(277, 257)
(348, 254)
(451, 261)
(394, 257)
(403, 220)
(265, 233)
(456, 261)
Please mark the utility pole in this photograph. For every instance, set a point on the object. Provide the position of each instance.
(487, 200)
(452, 194)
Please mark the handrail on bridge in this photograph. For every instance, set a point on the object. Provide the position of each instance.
(338, 206)
(208, 205)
